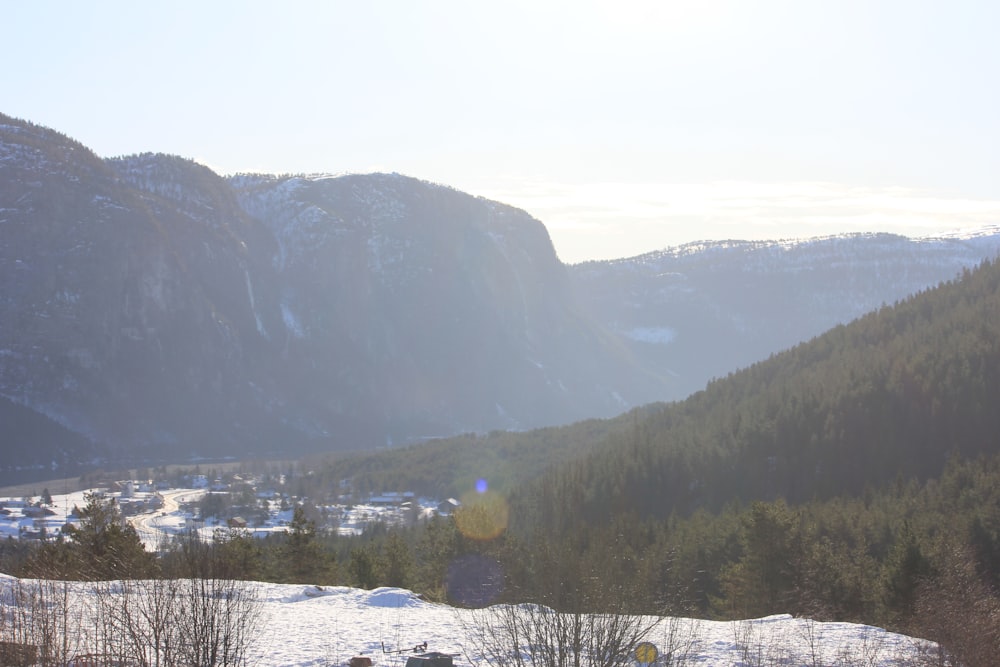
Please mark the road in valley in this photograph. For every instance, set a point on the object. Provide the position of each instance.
(167, 521)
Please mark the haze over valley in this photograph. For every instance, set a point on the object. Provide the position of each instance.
(154, 311)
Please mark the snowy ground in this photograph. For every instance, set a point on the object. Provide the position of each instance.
(16, 524)
(305, 625)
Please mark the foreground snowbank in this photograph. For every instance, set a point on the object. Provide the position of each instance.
(307, 625)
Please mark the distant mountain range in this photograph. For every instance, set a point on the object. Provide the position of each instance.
(152, 310)
(703, 310)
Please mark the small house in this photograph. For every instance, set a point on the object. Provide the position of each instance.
(447, 507)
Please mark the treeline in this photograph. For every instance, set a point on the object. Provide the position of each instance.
(919, 557)
(449, 467)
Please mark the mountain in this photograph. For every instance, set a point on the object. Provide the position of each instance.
(702, 310)
(157, 311)
(440, 311)
(162, 311)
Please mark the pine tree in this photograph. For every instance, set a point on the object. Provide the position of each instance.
(305, 559)
(764, 579)
(107, 546)
(398, 561)
(905, 569)
(366, 566)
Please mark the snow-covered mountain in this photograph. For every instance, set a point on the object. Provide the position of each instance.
(152, 310)
(703, 310)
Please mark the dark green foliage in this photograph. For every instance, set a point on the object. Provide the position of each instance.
(107, 547)
(765, 577)
(365, 566)
(231, 554)
(437, 547)
(450, 467)
(398, 562)
(905, 568)
(301, 558)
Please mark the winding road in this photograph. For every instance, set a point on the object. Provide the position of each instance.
(152, 527)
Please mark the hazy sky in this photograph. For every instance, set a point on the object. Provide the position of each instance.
(623, 126)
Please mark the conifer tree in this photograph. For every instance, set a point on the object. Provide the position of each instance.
(107, 546)
(306, 561)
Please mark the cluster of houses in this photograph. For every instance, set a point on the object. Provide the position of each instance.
(27, 520)
(260, 507)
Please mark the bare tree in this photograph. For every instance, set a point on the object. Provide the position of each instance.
(39, 622)
(960, 610)
(110, 628)
(173, 622)
(678, 638)
(530, 634)
(220, 619)
(138, 620)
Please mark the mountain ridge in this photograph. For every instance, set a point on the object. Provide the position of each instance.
(703, 310)
(164, 311)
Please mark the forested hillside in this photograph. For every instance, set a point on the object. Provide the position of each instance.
(894, 394)
(449, 467)
(853, 477)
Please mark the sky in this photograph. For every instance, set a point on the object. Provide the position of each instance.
(624, 126)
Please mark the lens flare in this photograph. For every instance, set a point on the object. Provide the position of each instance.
(481, 485)
(482, 516)
(474, 580)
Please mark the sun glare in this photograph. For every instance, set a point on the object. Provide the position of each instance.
(643, 16)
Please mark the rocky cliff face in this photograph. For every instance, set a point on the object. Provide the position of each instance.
(163, 311)
(432, 307)
(125, 311)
